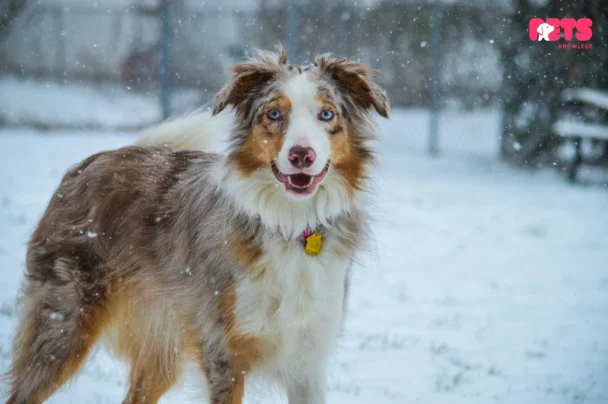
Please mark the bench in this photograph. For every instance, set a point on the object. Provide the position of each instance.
(586, 120)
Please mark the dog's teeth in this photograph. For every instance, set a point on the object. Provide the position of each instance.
(300, 186)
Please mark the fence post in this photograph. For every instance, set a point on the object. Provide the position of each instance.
(436, 24)
(165, 58)
(60, 54)
(292, 31)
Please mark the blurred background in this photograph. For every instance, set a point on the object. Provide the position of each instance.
(490, 277)
(457, 55)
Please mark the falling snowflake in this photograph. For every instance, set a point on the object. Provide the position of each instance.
(56, 316)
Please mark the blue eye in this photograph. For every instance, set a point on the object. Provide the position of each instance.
(274, 114)
(326, 115)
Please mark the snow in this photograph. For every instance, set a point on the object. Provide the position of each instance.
(484, 285)
(78, 106)
(591, 96)
(571, 128)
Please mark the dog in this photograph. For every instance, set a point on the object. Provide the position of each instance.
(239, 262)
(544, 30)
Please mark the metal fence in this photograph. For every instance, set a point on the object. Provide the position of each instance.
(94, 43)
(429, 54)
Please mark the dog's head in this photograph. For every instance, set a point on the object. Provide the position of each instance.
(302, 132)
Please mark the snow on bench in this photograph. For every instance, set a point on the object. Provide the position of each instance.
(567, 128)
(590, 96)
(579, 130)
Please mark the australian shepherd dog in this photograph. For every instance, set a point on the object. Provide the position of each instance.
(238, 261)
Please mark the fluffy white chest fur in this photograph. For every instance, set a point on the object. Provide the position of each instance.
(295, 303)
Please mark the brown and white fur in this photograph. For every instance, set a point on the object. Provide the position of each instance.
(181, 255)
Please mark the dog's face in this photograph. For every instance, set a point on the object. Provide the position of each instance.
(302, 128)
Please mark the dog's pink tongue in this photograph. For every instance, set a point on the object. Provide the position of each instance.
(300, 180)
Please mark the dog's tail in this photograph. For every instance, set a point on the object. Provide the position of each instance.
(196, 131)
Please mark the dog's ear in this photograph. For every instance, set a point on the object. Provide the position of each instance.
(248, 79)
(357, 82)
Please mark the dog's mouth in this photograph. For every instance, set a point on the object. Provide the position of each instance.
(300, 183)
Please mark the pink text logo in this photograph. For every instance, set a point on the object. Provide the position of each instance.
(551, 29)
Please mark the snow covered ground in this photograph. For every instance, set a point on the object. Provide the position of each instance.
(50, 104)
(486, 284)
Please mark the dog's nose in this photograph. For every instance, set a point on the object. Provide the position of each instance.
(302, 157)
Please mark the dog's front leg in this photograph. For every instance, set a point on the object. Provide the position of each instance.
(311, 389)
(225, 378)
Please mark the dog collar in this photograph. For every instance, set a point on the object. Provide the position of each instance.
(313, 241)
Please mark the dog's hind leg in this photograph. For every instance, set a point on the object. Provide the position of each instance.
(147, 334)
(149, 384)
(59, 323)
(153, 372)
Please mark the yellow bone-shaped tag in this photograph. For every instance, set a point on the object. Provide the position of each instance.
(314, 242)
